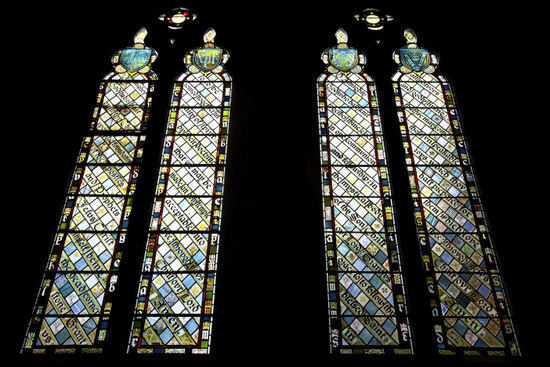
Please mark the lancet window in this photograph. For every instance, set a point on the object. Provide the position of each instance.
(175, 305)
(72, 309)
(366, 292)
(468, 299)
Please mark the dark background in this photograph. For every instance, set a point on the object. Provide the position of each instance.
(270, 295)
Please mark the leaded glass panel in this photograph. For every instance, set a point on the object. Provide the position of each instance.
(72, 309)
(175, 305)
(366, 290)
(469, 302)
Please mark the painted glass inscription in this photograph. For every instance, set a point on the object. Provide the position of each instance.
(469, 305)
(366, 292)
(175, 305)
(71, 313)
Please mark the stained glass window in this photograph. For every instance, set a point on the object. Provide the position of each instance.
(72, 309)
(175, 304)
(469, 303)
(366, 291)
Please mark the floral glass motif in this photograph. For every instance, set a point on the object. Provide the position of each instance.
(469, 304)
(72, 309)
(175, 304)
(366, 292)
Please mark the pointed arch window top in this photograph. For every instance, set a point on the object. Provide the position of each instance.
(208, 58)
(343, 58)
(135, 60)
(413, 58)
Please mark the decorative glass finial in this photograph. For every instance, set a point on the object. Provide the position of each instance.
(341, 36)
(410, 36)
(140, 36)
(209, 36)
